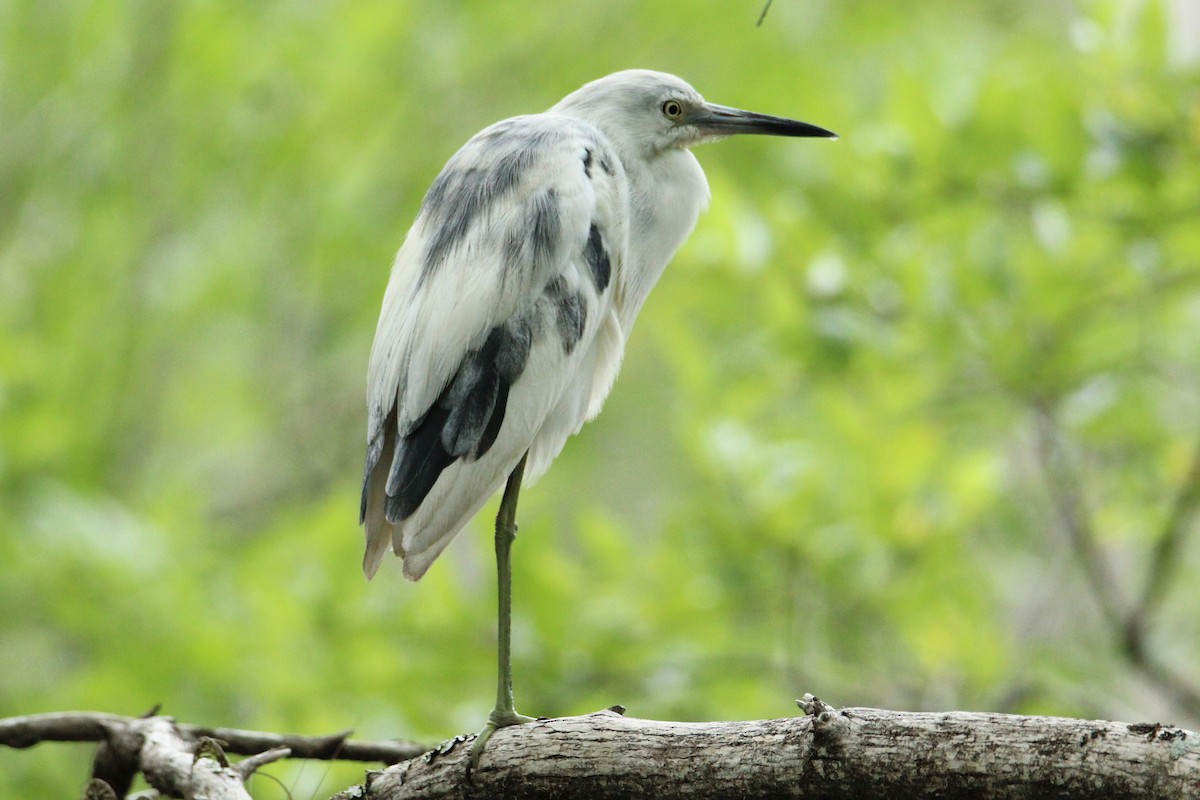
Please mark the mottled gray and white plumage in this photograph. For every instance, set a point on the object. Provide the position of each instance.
(511, 299)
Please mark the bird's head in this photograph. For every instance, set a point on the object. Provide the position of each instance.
(653, 112)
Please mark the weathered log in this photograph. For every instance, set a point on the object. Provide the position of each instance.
(852, 753)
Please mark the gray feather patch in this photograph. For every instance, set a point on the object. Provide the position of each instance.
(464, 421)
(597, 258)
(533, 244)
(485, 171)
(475, 399)
(570, 312)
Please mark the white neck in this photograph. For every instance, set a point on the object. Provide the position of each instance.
(667, 194)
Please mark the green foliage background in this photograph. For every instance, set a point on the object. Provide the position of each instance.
(866, 420)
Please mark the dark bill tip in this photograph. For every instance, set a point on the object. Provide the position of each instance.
(724, 121)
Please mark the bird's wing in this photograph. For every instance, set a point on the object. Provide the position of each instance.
(503, 275)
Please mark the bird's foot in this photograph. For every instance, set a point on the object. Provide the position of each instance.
(499, 718)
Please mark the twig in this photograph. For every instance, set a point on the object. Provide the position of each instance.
(332, 747)
(248, 765)
(763, 15)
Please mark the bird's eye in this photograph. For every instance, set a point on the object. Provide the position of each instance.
(672, 109)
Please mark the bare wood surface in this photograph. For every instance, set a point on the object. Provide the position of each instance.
(852, 753)
(172, 765)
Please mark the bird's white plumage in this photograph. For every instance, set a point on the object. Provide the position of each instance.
(511, 299)
(426, 327)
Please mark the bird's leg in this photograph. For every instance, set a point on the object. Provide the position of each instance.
(506, 531)
(503, 714)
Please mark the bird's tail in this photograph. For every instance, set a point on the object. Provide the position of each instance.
(377, 546)
(373, 514)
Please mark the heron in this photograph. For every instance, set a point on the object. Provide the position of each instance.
(509, 303)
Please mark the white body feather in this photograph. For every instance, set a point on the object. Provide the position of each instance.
(605, 173)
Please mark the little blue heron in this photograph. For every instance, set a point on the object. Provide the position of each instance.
(509, 303)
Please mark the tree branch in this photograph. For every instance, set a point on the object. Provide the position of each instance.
(336, 746)
(173, 767)
(249, 765)
(1128, 626)
(1067, 497)
(855, 752)
(184, 760)
(1166, 550)
(763, 15)
(91, 726)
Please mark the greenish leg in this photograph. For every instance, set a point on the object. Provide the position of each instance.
(503, 714)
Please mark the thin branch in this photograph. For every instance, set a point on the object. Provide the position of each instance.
(84, 726)
(64, 726)
(247, 766)
(335, 746)
(763, 15)
(1164, 560)
(1067, 497)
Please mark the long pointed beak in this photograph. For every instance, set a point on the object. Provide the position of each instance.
(714, 120)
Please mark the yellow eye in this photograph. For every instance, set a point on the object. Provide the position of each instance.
(672, 109)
